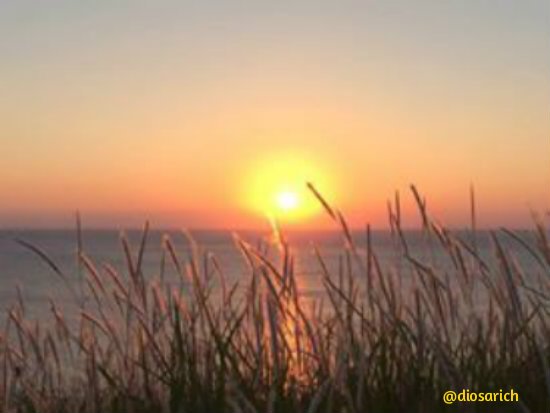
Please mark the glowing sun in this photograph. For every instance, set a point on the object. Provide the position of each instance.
(276, 188)
(287, 201)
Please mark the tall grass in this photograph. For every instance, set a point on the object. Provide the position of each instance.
(374, 343)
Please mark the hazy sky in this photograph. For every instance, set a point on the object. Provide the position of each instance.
(168, 110)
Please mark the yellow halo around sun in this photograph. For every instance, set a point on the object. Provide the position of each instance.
(277, 188)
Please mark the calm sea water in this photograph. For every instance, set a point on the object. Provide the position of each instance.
(20, 267)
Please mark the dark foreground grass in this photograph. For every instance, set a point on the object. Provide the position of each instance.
(376, 344)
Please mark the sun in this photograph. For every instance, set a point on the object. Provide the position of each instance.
(287, 201)
(276, 188)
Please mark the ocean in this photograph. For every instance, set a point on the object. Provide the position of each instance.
(23, 269)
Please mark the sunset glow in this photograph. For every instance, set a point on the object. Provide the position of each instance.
(276, 188)
(274, 206)
(194, 115)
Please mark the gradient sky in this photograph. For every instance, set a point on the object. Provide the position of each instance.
(167, 110)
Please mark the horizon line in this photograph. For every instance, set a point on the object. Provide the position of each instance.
(289, 229)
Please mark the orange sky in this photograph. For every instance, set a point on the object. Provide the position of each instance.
(173, 113)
